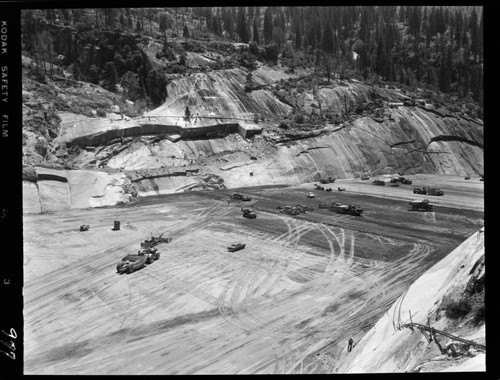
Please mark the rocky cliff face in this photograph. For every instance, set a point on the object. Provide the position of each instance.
(347, 128)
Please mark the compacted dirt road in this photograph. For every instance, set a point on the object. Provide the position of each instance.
(302, 286)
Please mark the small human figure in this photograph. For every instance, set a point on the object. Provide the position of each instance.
(349, 345)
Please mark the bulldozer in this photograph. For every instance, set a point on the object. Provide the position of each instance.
(421, 205)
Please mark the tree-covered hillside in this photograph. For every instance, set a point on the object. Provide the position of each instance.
(437, 48)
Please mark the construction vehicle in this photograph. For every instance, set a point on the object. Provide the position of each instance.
(131, 263)
(304, 208)
(236, 247)
(290, 210)
(434, 191)
(346, 209)
(378, 182)
(248, 213)
(153, 241)
(325, 204)
(84, 227)
(419, 190)
(310, 195)
(421, 205)
(240, 197)
(364, 177)
(327, 180)
(402, 180)
(428, 191)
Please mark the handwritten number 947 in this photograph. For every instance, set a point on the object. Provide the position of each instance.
(10, 345)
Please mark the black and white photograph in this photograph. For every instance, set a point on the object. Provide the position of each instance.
(248, 189)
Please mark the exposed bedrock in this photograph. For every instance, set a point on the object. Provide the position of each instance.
(56, 190)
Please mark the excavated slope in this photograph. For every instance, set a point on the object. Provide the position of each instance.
(387, 349)
(405, 139)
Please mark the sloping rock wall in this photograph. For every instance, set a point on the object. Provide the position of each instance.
(386, 349)
(31, 199)
(62, 190)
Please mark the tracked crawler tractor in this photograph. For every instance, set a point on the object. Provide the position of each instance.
(418, 205)
(153, 241)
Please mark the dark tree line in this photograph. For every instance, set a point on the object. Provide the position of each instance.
(434, 45)
(441, 47)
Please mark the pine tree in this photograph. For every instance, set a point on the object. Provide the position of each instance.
(110, 76)
(298, 38)
(242, 25)
(255, 31)
(268, 25)
(327, 41)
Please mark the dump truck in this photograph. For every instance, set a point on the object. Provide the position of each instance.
(248, 213)
(346, 209)
(378, 182)
(421, 205)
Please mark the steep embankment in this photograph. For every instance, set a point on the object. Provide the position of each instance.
(388, 347)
